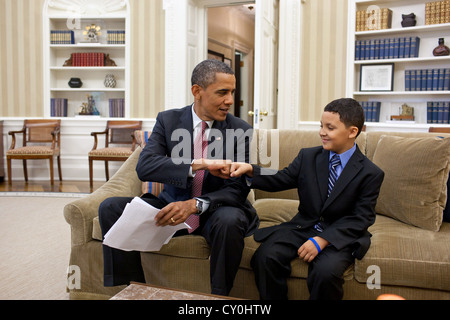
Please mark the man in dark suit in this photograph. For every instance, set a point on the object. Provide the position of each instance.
(337, 196)
(220, 211)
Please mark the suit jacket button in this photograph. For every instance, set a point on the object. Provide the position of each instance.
(299, 226)
(321, 219)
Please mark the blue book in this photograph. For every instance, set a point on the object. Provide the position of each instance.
(396, 48)
(407, 80)
(446, 112)
(391, 48)
(377, 111)
(358, 50)
(435, 79)
(382, 46)
(418, 80)
(440, 112)
(372, 50)
(364, 106)
(370, 111)
(429, 112)
(429, 79)
(363, 50)
(401, 50)
(435, 112)
(377, 49)
(441, 80)
(407, 47)
(415, 46)
(413, 80)
(447, 79)
(424, 80)
(386, 49)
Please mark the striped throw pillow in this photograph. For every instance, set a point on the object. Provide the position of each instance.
(154, 188)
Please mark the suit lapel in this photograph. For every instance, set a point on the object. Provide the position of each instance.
(322, 173)
(350, 171)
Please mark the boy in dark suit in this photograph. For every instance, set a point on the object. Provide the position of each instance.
(338, 188)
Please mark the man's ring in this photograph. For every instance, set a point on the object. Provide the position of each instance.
(171, 219)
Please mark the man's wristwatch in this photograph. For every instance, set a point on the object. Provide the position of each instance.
(199, 206)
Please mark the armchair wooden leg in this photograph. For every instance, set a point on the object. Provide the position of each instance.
(9, 171)
(51, 172)
(91, 182)
(25, 170)
(59, 168)
(107, 170)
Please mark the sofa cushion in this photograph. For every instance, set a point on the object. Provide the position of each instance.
(407, 255)
(154, 188)
(277, 148)
(414, 190)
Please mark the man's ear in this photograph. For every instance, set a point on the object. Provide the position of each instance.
(196, 90)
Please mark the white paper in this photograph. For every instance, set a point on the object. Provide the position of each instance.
(136, 229)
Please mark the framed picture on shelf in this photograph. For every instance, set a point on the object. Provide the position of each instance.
(377, 77)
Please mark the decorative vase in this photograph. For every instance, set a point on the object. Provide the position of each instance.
(441, 49)
(75, 83)
(110, 81)
(409, 20)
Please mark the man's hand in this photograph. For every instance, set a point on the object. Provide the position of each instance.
(240, 168)
(308, 250)
(218, 168)
(175, 213)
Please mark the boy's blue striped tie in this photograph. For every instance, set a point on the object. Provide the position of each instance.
(335, 161)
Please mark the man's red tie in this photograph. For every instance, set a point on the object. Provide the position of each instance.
(200, 152)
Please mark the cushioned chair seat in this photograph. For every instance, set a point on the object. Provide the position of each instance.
(30, 150)
(407, 255)
(111, 152)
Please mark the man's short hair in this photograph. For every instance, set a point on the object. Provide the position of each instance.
(350, 112)
(204, 73)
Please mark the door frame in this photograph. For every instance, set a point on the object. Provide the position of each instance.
(186, 45)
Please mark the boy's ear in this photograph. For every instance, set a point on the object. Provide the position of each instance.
(353, 132)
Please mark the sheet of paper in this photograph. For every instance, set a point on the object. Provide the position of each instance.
(136, 229)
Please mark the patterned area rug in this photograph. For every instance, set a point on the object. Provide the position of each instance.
(34, 245)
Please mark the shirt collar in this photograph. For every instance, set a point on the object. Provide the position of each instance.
(345, 157)
(196, 120)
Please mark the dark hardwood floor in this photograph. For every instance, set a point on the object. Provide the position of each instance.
(45, 186)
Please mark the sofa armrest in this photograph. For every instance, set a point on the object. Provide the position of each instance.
(80, 213)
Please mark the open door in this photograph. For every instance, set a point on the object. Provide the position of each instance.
(266, 64)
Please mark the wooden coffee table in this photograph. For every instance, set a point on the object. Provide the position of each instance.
(143, 291)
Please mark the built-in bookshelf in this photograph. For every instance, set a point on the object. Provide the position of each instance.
(70, 53)
(409, 49)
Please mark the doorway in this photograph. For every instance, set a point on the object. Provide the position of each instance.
(231, 38)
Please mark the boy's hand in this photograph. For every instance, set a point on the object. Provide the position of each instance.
(239, 168)
(308, 250)
(218, 168)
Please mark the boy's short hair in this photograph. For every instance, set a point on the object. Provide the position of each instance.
(204, 73)
(350, 112)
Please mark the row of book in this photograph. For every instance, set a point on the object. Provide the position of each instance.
(88, 59)
(376, 19)
(427, 80)
(116, 36)
(391, 48)
(58, 107)
(438, 112)
(116, 108)
(371, 110)
(62, 37)
(437, 12)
